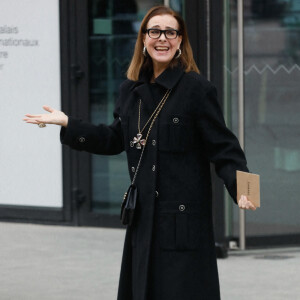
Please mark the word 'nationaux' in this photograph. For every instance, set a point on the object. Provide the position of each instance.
(19, 42)
(4, 29)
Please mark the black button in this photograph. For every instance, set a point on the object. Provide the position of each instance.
(182, 207)
(175, 120)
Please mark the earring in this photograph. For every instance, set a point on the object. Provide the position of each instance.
(178, 54)
(145, 51)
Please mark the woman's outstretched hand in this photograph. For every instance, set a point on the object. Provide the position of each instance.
(244, 203)
(54, 117)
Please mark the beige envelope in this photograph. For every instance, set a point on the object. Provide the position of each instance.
(248, 185)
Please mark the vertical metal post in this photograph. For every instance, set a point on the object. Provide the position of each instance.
(208, 38)
(240, 7)
(110, 61)
(227, 104)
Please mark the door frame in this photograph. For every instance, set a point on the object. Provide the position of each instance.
(78, 164)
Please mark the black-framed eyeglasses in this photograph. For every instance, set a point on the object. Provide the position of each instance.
(155, 33)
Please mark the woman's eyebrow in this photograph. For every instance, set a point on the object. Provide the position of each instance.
(158, 26)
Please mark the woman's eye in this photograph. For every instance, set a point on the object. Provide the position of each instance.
(154, 31)
(171, 33)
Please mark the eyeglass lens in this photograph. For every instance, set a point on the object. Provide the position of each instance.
(156, 33)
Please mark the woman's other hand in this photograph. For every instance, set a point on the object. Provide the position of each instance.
(54, 117)
(244, 203)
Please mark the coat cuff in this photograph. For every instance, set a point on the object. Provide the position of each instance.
(230, 182)
(70, 135)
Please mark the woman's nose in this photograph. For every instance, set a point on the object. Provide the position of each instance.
(162, 37)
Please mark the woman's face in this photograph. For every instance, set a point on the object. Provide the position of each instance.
(162, 50)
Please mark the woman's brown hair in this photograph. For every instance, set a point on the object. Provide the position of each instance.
(139, 62)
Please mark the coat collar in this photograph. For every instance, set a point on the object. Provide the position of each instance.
(168, 79)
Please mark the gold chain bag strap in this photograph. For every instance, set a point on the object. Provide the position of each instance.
(130, 197)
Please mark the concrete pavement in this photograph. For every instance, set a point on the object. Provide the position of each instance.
(40, 262)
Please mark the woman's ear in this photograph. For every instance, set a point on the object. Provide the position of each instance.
(180, 40)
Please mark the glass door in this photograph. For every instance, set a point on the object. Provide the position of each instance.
(113, 28)
(272, 110)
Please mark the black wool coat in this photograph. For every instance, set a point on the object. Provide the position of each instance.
(169, 250)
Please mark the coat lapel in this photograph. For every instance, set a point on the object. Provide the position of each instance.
(170, 77)
(143, 92)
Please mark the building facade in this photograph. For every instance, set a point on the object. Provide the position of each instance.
(75, 58)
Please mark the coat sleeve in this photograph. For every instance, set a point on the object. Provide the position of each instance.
(101, 139)
(221, 145)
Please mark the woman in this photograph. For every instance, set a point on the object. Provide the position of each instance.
(169, 248)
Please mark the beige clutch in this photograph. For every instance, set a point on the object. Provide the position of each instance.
(248, 185)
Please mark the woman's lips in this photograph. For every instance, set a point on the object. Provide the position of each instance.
(160, 48)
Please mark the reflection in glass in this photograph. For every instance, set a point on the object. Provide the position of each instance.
(272, 109)
(113, 29)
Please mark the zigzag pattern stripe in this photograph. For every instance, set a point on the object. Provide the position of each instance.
(264, 69)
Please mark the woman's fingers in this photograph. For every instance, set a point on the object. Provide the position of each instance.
(31, 121)
(52, 117)
(45, 107)
(48, 108)
(32, 116)
(34, 120)
(253, 207)
(41, 118)
(244, 203)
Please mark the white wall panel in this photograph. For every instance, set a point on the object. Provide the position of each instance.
(30, 157)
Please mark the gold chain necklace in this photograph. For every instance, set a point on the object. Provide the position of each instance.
(138, 140)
